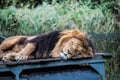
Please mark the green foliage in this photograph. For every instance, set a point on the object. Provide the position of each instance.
(47, 17)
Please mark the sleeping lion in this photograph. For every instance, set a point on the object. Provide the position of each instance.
(52, 44)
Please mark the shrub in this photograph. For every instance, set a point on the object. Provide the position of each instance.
(47, 17)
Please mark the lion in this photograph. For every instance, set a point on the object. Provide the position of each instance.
(39, 46)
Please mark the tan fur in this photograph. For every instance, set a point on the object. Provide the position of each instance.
(24, 53)
(5, 53)
(87, 52)
(10, 42)
(70, 44)
(30, 37)
(9, 45)
(9, 56)
(74, 46)
(16, 49)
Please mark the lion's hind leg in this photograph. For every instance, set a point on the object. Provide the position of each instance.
(10, 42)
(24, 54)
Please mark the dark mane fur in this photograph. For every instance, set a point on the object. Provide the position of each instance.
(45, 43)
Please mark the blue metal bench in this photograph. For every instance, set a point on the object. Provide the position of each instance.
(77, 68)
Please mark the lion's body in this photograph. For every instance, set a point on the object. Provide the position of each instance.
(41, 46)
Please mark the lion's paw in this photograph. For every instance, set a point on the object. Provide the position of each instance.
(8, 58)
(5, 59)
(20, 57)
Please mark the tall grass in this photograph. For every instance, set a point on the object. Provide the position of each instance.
(47, 17)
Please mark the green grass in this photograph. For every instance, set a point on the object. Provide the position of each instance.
(47, 17)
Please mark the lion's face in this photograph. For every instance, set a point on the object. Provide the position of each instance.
(75, 47)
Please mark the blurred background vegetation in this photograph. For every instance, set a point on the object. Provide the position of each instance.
(33, 17)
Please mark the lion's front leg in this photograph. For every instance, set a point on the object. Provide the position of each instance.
(25, 52)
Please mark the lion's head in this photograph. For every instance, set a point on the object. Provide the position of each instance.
(75, 47)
